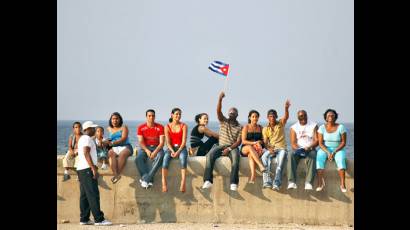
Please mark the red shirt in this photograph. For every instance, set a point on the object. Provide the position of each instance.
(150, 134)
(176, 138)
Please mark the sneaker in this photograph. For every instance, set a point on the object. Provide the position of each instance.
(275, 187)
(292, 185)
(308, 186)
(207, 184)
(234, 187)
(104, 166)
(144, 184)
(267, 185)
(89, 222)
(103, 223)
(66, 177)
(150, 184)
(343, 189)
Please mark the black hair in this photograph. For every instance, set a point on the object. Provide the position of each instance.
(77, 123)
(149, 110)
(272, 111)
(173, 111)
(99, 127)
(119, 117)
(198, 116)
(330, 110)
(250, 114)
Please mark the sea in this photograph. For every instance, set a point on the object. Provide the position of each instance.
(64, 129)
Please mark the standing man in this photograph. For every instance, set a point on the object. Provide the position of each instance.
(229, 140)
(303, 139)
(275, 143)
(88, 175)
(151, 140)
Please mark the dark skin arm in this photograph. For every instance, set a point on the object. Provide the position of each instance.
(293, 141)
(341, 145)
(234, 145)
(90, 162)
(315, 139)
(123, 136)
(221, 117)
(70, 150)
(323, 147)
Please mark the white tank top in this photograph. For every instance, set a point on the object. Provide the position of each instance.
(304, 134)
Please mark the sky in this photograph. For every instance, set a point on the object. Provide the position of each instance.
(129, 56)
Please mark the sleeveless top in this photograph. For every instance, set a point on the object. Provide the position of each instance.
(196, 137)
(72, 141)
(116, 136)
(255, 136)
(176, 137)
(304, 134)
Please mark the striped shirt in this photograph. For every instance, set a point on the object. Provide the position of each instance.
(228, 133)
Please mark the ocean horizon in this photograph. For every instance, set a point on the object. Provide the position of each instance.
(64, 129)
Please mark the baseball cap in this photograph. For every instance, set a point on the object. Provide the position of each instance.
(89, 124)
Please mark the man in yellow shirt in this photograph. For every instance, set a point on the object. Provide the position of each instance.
(275, 144)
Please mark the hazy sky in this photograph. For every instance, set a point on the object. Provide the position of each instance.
(128, 56)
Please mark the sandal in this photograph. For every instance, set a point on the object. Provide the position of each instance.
(115, 179)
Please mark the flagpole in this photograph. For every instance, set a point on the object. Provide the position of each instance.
(226, 84)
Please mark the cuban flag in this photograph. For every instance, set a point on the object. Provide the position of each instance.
(219, 67)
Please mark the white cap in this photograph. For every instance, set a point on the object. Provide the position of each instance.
(89, 124)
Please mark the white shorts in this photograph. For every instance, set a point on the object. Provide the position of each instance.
(118, 149)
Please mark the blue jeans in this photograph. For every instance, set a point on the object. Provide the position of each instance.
(183, 155)
(147, 174)
(266, 161)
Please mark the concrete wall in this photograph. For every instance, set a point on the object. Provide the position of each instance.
(127, 202)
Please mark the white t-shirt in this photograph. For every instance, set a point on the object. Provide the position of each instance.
(84, 141)
(304, 134)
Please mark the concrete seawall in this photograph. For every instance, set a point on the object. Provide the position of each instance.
(127, 202)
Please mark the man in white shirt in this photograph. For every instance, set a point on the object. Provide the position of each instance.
(303, 139)
(88, 175)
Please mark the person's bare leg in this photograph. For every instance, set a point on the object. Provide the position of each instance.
(342, 178)
(255, 157)
(319, 177)
(113, 162)
(183, 177)
(164, 179)
(122, 159)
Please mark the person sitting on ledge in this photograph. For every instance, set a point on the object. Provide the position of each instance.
(303, 139)
(175, 136)
(198, 147)
(120, 145)
(229, 140)
(275, 143)
(252, 144)
(332, 140)
(69, 160)
(151, 140)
